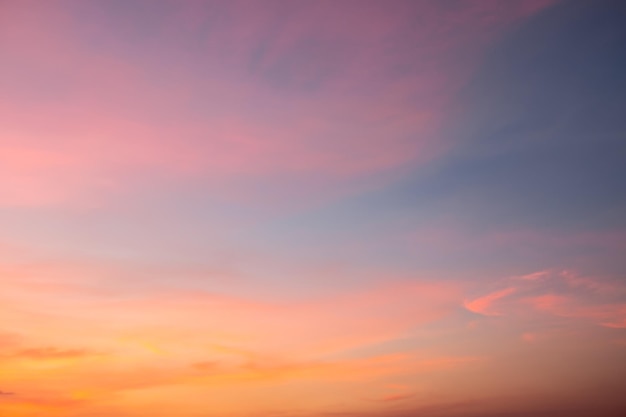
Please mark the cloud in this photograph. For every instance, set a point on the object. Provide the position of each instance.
(560, 293)
(482, 305)
(48, 353)
(612, 315)
(535, 275)
(396, 397)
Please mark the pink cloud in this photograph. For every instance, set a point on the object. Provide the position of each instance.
(612, 315)
(559, 293)
(548, 302)
(535, 275)
(483, 305)
(529, 337)
(396, 392)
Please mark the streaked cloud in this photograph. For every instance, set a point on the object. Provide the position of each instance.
(482, 305)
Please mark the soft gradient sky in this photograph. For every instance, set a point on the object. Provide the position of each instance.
(309, 208)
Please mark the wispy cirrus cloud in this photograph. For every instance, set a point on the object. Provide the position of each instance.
(561, 293)
(483, 305)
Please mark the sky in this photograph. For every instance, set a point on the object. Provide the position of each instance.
(312, 208)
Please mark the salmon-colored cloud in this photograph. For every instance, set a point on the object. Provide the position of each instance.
(561, 293)
(483, 305)
(605, 314)
(535, 275)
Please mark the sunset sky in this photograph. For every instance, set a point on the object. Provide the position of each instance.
(312, 208)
